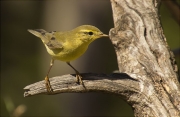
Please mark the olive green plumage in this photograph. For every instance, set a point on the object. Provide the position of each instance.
(67, 46)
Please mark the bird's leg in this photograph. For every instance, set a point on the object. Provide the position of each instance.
(78, 76)
(47, 82)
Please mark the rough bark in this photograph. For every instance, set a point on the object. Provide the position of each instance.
(148, 78)
(116, 83)
(143, 54)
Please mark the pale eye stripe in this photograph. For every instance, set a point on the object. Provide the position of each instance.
(86, 30)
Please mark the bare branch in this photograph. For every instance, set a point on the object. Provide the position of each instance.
(114, 83)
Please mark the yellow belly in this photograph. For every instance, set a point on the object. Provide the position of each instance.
(67, 54)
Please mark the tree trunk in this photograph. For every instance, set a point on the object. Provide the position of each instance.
(143, 54)
(148, 78)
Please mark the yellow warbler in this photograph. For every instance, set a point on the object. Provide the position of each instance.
(67, 46)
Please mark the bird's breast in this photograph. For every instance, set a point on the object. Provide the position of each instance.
(69, 52)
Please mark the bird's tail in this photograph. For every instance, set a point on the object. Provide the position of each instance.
(41, 34)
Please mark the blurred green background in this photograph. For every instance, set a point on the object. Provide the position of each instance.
(24, 59)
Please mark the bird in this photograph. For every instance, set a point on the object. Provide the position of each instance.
(67, 46)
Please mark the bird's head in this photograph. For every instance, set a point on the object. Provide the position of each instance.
(88, 33)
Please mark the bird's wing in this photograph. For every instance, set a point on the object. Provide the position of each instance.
(53, 41)
(54, 44)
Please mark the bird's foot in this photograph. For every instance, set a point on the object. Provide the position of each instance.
(48, 85)
(79, 79)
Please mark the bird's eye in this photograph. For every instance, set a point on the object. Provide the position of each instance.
(90, 33)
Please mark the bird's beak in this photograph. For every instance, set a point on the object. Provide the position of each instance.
(104, 35)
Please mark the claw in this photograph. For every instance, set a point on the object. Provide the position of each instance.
(78, 76)
(79, 79)
(48, 85)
